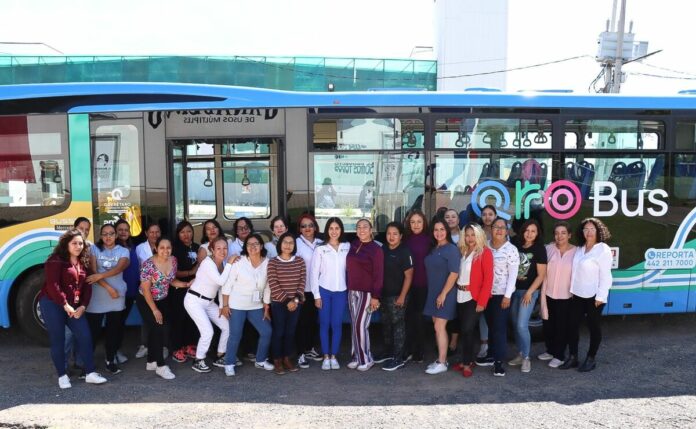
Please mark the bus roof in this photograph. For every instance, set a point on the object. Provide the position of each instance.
(114, 97)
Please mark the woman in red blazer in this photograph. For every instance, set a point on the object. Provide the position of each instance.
(474, 289)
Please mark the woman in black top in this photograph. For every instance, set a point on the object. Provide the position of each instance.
(183, 333)
(530, 276)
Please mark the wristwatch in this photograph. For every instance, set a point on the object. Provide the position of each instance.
(297, 300)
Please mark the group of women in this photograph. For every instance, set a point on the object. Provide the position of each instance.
(269, 299)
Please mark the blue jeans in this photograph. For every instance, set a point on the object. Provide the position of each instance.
(263, 327)
(520, 315)
(497, 319)
(56, 320)
(71, 349)
(333, 305)
(284, 324)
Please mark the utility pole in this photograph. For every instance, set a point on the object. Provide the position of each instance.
(616, 47)
(617, 77)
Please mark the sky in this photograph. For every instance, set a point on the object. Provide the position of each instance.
(538, 31)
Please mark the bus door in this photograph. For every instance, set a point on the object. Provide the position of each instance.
(118, 166)
(225, 179)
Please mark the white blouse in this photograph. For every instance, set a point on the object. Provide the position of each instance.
(464, 278)
(209, 280)
(506, 262)
(592, 272)
(329, 268)
(247, 286)
(305, 250)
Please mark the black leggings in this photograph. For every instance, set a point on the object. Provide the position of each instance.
(182, 330)
(415, 325)
(112, 331)
(155, 338)
(556, 327)
(580, 307)
(467, 318)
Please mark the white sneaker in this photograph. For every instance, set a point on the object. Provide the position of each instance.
(526, 365)
(141, 353)
(120, 357)
(64, 382)
(326, 364)
(264, 365)
(366, 366)
(555, 363)
(229, 370)
(164, 372)
(545, 356)
(334, 364)
(437, 368)
(516, 361)
(95, 378)
(430, 365)
(352, 364)
(484, 351)
(151, 366)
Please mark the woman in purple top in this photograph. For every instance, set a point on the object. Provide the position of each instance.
(418, 242)
(364, 272)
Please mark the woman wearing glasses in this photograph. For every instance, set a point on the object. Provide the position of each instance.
(108, 260)
(247, 297)
(242, 229)
(590, 283)
(506, 262)
(307, 327)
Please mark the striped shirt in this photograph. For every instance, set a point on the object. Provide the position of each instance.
(286, 279)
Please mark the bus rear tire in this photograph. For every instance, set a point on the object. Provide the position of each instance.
(27, 307)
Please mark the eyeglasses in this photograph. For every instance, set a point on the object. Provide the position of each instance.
(253, 244)
(589, 230)
(242, 228)
(108, 234)
(307, 225)
(498, 227)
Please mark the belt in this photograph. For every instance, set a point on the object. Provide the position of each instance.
(194, 293)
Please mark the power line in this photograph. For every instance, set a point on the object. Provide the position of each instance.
(518, 68)
(33, 43)
(669, 70)
(662, 76)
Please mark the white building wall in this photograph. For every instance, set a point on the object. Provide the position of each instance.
(471, 36)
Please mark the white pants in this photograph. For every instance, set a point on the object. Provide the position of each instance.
(203, 312)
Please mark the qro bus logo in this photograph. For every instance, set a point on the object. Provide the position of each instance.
(563, 199)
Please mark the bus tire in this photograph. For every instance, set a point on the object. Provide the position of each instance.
(27, 307)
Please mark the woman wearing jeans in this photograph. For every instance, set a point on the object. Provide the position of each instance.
(590, 283)
(328, 283)
(506, 262)
(246, 296)
(286, 279)
(530, 277)
(63, 300)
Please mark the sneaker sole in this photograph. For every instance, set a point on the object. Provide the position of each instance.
(393, 368)
(201, 371)
(382, 360)
(497, 374)
(484, 364)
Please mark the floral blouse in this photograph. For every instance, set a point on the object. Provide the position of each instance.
(159, 282)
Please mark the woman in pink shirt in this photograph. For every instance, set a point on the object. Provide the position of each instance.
(556, 295)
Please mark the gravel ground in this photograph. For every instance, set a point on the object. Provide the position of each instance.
(645, 378)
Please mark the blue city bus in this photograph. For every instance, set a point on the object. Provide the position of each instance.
(167, 152)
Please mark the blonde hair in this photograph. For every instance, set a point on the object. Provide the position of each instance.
(480, 235)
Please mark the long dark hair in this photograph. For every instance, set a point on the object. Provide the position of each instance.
(100, 243)
(432, 231)
(337, 221)
(603, 233)
(179, 227)
(62, 249)
(539, 239)
(407, 222)
(204, 239)
(236, 223)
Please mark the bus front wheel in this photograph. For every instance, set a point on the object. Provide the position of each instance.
(27, 306)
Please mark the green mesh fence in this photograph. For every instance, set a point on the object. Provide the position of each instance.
(288, 73)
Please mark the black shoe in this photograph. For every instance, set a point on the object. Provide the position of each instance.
(588, 365)
(382, 358)
(199, 365)
(393, 365)
(83, 374)
(571, 362)
(417, 357)
(484, 361)
(498, 369)
(112, 367)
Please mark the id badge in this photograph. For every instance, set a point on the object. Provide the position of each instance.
(256, 297)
